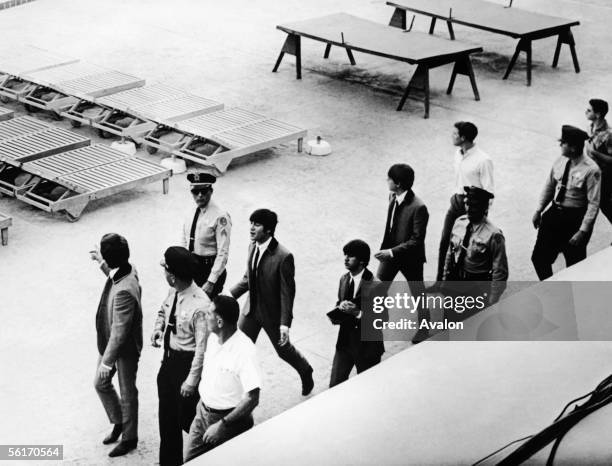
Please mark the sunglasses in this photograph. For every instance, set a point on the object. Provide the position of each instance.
(196, 191)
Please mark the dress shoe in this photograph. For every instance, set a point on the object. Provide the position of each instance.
(114, 435)
(124, 447)
(307, 384)
(421, 335)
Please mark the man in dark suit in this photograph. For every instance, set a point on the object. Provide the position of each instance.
(270, 281)
(403, 245)
(119, 330)
(350, 349)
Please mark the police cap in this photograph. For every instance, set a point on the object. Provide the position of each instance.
(572, 135)
(179, 262)
(201, 179)
(477, 195)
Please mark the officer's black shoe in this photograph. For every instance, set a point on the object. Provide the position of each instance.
(307, 384)
(421, 335)
(114, 435)
(124, 447)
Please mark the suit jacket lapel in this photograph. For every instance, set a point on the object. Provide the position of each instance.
(367, 276)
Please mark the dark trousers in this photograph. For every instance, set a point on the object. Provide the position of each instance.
(175, 411)
(412, 272)
(251, 325)
(455, 210)
(345, 360)
(204, 266)
(557, 227)
(122, 410)
(466, 284)
(205, 418)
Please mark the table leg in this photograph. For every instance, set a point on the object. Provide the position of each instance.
(451, 32)
(292, 46)
(165, 185)
(566, 37)
(432, 26)
(524, 45)
(300, 144)
(350, 55)
(327, 50)
(398, 19)
(4, 236)
(528, 51)
(463, 66)
(557, 51)
(572, 44)
(420, 82)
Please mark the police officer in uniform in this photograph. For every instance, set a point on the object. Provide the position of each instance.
(599, 148)
(206, 233)
(571, 194)
(181, 326)
(477, 251)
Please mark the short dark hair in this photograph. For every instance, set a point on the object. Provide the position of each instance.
(265, 217)
(599, 106)
(467, 130)
(359, 249)
(114, 250)
(402, 174)
(227, 308)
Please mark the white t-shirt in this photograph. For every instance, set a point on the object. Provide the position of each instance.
(230, 371)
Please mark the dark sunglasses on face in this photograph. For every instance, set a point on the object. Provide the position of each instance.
(196, 191)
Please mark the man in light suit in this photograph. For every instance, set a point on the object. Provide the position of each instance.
(350, 349)
(119, 331)
(403, 246)
(269, 279)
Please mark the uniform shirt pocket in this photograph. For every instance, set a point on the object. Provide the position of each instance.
(576, 180)
(478, 247)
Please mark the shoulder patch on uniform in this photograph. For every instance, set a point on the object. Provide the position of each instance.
(597, 175)
(222, 221)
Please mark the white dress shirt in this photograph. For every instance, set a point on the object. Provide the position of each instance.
(261, 247)
(357, 281)
(473, 168)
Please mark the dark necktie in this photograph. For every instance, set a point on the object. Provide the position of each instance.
(464, 245)
(171, 326)
(563, 188)
(350, 290)
(253, 279)
(255, 262)
(193, 229)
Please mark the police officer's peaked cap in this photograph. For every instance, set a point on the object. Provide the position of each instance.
(573, 135)
(179, 261)
(201, 179)
(475, 194)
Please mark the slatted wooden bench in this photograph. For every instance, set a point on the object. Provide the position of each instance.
(217, 138)
(526, 26)
(115, 112)
(19, 150)
(20, 126)
(140, 112)
(362, 35)
(15, 62)
(70, 180)
(6, 114)
(57, 89)
(5, 223)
